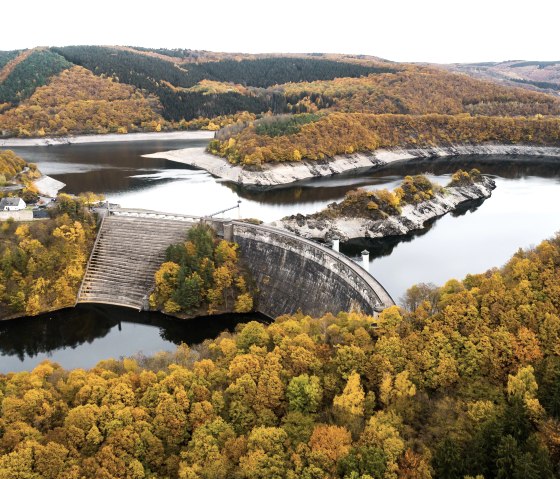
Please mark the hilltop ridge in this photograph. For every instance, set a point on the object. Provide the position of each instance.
(189, 89)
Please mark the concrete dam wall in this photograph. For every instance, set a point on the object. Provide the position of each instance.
(129, 249)
(291, 273)
(294, 273)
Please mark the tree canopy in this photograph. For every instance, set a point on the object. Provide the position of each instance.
(42, 262)
(460, 382)
(202, 275)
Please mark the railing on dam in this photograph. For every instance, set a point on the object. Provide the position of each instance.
(290, 272)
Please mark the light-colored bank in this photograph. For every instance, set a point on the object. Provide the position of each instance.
(287, 172)
(109, 138)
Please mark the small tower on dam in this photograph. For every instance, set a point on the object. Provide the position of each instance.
(291, 273)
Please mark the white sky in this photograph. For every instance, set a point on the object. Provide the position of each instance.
(399, 30)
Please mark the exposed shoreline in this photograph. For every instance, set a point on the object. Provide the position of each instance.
(108, 138)
(273, 174)
(270, 174)
(412, 217)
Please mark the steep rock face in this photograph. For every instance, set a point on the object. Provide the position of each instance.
(412, 217)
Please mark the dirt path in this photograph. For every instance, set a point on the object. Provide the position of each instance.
(9, 67)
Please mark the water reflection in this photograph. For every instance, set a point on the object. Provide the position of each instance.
(104, 167)
(380, 247)
(82, 336)
(511, 167)
(519, 214)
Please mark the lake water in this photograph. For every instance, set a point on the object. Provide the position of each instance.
(80, 337)
(523, 210)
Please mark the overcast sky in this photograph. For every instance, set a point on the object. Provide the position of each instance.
(401, 30)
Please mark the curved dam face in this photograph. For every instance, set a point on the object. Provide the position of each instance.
(291, 273)
(294, 274)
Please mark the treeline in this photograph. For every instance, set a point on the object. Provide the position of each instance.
(346, 133)
(461, 383)
(31, 73)
(76, 101)
(188, 105)
(183, 54)
(216, 123)
(539, 84)
(42, 262)
(379, 204)
(418, 91)
(266, 72)
(168, 81)
(202, 276)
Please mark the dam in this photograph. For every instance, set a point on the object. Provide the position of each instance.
(291, 273)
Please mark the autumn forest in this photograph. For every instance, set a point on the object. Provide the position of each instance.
(460, 380)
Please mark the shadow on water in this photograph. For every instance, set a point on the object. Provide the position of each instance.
(316, 189)
(87, 323)
(505, 166)
(381, 247)
(332, 188)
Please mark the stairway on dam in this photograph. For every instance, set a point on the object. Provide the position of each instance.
(128, 252)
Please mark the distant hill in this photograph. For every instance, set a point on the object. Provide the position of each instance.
(543, 76)
(181, 88)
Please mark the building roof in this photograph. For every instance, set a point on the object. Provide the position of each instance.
(9, 202)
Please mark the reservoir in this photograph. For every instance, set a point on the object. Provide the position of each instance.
(524, 209)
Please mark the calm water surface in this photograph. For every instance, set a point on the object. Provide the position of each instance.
(83, 336)
(523, 210)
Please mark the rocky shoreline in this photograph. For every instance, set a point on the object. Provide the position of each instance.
(272, 174)
(108, 138)
(412, 217)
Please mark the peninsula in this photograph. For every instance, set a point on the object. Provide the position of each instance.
(381, 213)
(282, 173)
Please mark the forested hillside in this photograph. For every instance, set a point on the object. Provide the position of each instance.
(34, 71)
(316, 137)
(42, 262)
(6, 57)
(10, 165)
(179, 89)
(144, 71)
(418, 91)
(15, 170)
(461, 383)
(170, 81)
(77, 101)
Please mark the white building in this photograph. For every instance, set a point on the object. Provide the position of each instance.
(12, 204)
